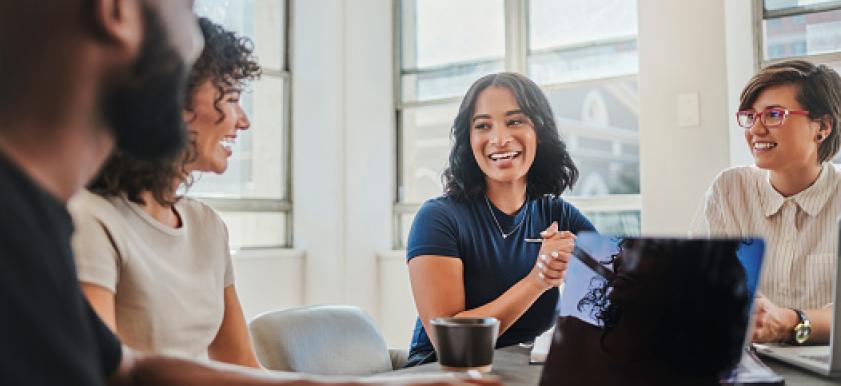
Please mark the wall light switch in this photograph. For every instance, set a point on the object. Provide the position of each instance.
(688, 110)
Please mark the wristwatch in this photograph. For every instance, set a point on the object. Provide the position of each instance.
(802, 330)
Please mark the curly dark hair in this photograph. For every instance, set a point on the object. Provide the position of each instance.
(553, 170)
(678, 293)
(228, 61)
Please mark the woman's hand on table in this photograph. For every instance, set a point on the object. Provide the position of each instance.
(772, 323)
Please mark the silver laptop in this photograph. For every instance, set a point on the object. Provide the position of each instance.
(824, 360)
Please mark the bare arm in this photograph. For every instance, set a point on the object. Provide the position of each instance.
(438, 285)
(139, 370)
(821, 320)
(232, 343)
(775, 324)
(438, 289)
(101, 300)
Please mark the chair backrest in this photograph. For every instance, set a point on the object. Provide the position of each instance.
(324, 340)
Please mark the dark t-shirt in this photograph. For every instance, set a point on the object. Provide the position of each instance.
(492, 264)
(49, 335)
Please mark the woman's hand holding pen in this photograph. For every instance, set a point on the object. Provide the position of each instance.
(553, 257)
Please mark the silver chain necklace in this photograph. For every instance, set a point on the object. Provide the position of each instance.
(505, 235)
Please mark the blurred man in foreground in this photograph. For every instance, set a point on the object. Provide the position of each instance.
(77, 78)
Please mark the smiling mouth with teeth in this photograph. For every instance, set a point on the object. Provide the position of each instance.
(504, 156)
(764, 145)
(227, 142)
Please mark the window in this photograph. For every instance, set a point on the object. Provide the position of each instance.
(252, 196)
(586, 64)
(808, 29)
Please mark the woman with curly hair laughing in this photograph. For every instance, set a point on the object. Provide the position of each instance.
(154, 265)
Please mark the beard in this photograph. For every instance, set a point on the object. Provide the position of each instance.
(144, 107)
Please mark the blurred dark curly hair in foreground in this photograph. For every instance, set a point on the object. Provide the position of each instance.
(675, 294)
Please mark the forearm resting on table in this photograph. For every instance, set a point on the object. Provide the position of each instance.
(143, 370)
(165, 371)
(509, 306)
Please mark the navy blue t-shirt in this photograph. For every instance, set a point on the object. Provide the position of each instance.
(466, 230)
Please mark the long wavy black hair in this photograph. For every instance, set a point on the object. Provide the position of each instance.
(688, 300)
(228, 61)
(553, 170)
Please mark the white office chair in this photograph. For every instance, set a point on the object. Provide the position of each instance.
(323, 340)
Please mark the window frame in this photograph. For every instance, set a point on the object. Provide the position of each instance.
(760, 15)
(283, 204)
(516, 17)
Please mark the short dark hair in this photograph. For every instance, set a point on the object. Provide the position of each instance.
(819, 91)
(553, 170)
(691, 291)
(228, 61)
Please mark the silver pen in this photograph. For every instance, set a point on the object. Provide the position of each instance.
(528, 240)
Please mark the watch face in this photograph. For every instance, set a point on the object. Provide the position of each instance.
(801, 333)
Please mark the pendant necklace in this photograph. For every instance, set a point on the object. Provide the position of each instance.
(499, 227)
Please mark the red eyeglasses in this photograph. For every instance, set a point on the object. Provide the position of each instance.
(771, 117)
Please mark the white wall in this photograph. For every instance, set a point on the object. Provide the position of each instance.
(741, 65)
(682, 49)
(396, 304)
(269, 279)
(343, 147)
(318, 148)
(370, 161)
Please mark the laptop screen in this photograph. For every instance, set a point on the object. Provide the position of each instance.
(615, 284)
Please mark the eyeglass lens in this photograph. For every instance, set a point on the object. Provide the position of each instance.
(769, 118)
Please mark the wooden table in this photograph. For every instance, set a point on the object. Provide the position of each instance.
(511, 364)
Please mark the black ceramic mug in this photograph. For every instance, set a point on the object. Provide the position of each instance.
(465, 343)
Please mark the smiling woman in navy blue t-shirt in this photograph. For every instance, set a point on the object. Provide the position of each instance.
(467, 252)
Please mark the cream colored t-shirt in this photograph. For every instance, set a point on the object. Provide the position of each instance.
(168, 283)
(800, 232)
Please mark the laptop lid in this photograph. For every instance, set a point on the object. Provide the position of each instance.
(591, 275)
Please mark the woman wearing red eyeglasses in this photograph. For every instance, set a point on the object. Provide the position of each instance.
(790, 113)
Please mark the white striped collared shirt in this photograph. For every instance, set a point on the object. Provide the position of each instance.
(800, 232)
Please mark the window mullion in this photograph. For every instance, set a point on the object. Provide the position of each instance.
(758, 34)
(516, 35)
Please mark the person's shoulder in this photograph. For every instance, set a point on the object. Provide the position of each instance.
(557, 201)
(86, 204)
(835, 169)
(567, 213)
(199, 211)
(443, 203)
(742, 172)
(737, 178)
(442, 209)
(834, 178)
